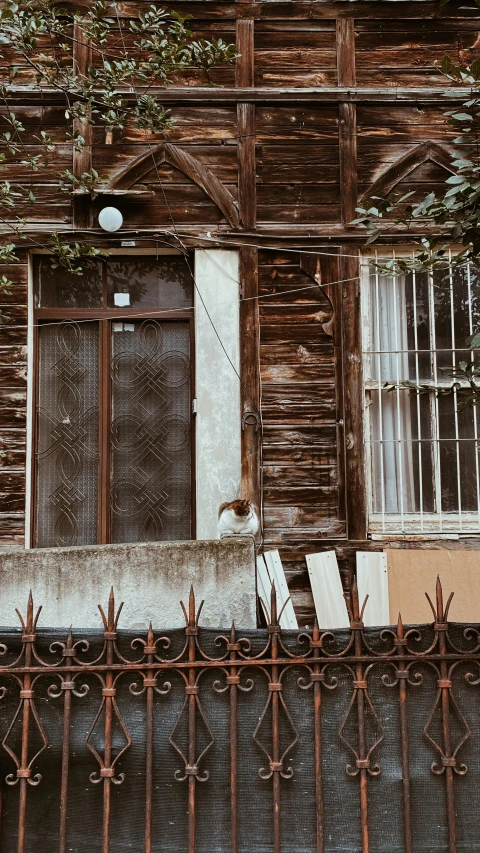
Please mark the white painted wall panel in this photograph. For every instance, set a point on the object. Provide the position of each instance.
(217, 387)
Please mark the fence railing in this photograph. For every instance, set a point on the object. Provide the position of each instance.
(303, 727)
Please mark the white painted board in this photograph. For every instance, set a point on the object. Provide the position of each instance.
(264, 585)
(284, 602)
(327, 591)
(270, 570)
(372, 580)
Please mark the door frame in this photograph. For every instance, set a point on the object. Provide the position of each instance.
(104, 317)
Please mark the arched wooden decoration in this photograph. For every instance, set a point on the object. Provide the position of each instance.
(190, 166)
(406, 164)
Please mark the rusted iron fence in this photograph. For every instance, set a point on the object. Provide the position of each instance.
(241, 741)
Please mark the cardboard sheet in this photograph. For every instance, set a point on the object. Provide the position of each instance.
(413, 572)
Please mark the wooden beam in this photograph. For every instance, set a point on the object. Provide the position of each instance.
(346, 52)
(250, 375)
(244, 68)
(82, 160)
(347, 114)
(311, 10)
(247, 196)
(353, 396)
(399, 95)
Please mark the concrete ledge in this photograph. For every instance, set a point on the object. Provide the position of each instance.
(150, 578)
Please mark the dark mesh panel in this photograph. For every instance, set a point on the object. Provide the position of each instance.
(170, 807)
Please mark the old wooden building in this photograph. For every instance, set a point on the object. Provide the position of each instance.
(138, 397)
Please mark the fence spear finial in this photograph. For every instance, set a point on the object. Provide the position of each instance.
(355, 601)
(439, 599)
(30, 612)
(191, 606)
(273, 604)
(400, 631)
(111, 610)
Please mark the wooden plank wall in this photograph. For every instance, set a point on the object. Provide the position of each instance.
(299, 413)
(293, 160)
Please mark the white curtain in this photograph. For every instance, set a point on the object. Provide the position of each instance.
(392, 454)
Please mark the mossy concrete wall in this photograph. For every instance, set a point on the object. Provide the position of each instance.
(150, 578)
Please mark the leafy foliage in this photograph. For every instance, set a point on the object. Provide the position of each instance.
(145, 52)
(454, 217)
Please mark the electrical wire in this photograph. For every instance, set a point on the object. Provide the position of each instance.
(156, 236)
(155, 312)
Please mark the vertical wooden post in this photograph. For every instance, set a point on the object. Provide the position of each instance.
(346, 74)
(247, 197)
(82, 160)
(249, 326)
(244, 69)
(249, 371)
(347, 116)
(244, 76)
(353, 396)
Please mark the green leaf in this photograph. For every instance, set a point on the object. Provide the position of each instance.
(473, 341)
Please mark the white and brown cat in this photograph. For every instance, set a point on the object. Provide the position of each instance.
(237, 518)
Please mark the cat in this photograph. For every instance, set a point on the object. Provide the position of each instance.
(237, 518)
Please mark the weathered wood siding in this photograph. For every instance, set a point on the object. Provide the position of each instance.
(325, 100)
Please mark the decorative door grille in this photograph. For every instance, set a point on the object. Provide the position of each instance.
(67, 424)
(150, 432)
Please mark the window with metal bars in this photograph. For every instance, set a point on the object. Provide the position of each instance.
(113, 390)
(422, 430)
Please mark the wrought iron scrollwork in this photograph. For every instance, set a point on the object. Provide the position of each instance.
(238, 668)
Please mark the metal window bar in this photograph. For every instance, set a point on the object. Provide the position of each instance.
(239, 663)
(380, 410)
(474, 408)
(417, 380)
(455, 401)
(433, 399)
(399, 442)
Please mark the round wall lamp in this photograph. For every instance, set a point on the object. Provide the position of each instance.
(110, 219)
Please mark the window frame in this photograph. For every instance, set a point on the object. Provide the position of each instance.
(104, 316)
(421, 523)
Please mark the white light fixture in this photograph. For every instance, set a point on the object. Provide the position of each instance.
(110, 219)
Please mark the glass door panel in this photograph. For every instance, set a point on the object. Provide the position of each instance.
(150, 492)
(67, 435)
